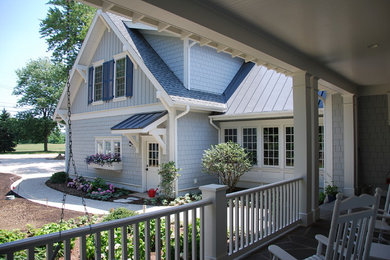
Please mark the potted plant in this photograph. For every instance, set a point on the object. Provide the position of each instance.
(330, 193)
(104, 161)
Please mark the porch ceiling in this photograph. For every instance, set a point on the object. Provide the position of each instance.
(330, 39)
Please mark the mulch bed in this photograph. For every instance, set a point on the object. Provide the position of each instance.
(17, 213)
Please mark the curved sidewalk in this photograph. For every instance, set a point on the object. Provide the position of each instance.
(35, 170)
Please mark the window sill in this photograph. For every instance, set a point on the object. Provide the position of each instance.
(117, 99)
(97, 103)
(115, 166)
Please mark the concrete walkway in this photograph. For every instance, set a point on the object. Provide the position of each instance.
(36, 169)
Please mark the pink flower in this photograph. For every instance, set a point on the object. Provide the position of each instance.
(99, 189)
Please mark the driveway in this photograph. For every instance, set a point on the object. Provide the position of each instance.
(35, 169)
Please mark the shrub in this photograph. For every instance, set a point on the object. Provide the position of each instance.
(227, 161)
(99, 183)
(119, 213)
(331, 190)
(168, 173)
(59, 177)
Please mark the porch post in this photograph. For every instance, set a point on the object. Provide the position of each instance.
(303, 142)
(215, 222)
(315, 145)
(349, 144)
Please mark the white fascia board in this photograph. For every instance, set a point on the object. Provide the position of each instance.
(258, 115)
(122, 111)
(127, 47)
(77, 61)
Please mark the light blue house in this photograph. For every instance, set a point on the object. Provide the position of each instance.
(153, 96)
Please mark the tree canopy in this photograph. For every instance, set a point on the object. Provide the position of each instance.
(65, 35)
(7, 143)
(39, 85)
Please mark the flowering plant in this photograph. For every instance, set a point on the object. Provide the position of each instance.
(102, 159)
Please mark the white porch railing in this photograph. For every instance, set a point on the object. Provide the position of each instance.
(252, 217)
(259, 214)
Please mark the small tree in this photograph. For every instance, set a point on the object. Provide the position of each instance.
(168, 173)
(7, 142)
(228, 161)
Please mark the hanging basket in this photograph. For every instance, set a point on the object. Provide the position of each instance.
(115, 166)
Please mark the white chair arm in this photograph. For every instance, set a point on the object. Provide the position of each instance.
(280, 253)
(322, 239)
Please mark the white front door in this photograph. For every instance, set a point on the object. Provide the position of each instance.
(152, 165)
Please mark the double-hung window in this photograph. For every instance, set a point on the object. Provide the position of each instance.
(289, 146)
(271, 146)
(120, 77)
(98, 84)
(321, 146)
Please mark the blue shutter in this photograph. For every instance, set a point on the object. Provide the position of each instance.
(108, 80)
(90, 85)
(129, 77)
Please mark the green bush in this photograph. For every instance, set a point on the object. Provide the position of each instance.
(227, 161)
(321, 198)
(331, 190)
(59, 177)
(168, 173)
(119, 213)
(99, 183)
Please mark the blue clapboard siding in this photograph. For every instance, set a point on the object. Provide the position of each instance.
(211, 71)
(84, 145)
(195, 135)
(143, 90)
(170, 49)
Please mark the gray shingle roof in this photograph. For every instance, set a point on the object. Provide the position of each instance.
(139, 121)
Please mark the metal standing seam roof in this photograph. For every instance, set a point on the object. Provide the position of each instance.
(139, 121)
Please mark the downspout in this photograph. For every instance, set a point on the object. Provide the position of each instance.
(218, 129)
(176, 118)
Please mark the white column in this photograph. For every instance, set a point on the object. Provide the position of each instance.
(303, 142)
(328, 130)
(215, 221)
(349, 144)
(315, 145)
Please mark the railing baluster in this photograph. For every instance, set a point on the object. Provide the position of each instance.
(284, 205)
(273, 210)
(277, 209)
(266, 208)
(158, 239)
(83, 247)
(30, 253)
(297, 202)
(111, 244)
(291, 203)
(49, 250)
(262, 217)
(194, 232)
(185, 235)
(9, 256)
(201, 249)
(98, 246)
(147, 239)
(236, 221)
(256, 227)
(242, 238)
(230, 226)
(177, 236)
(124, 242)
(67, 249)
(168, 237)
(252, 221)
(247, 220)
(136, 241)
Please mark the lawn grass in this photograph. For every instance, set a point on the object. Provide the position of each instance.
(38, 148)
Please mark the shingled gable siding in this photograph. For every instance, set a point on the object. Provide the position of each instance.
(195, 134)
(84, 145)
(143, 90)
(338, 140)
(211, 71)
(170, 49)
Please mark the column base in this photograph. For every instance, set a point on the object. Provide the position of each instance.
(307, 218)
(316, 214)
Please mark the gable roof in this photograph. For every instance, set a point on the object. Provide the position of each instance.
(139, 121)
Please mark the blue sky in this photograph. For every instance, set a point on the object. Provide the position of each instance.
(20, 42)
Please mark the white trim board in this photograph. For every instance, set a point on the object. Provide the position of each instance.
(119, 111)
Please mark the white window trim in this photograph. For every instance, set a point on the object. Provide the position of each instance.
(284, 148)
(257, 141)
(279, 146)
(117, 57)
(112, 139)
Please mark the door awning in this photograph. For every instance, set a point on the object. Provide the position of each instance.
(143, 123)
(140, 123)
